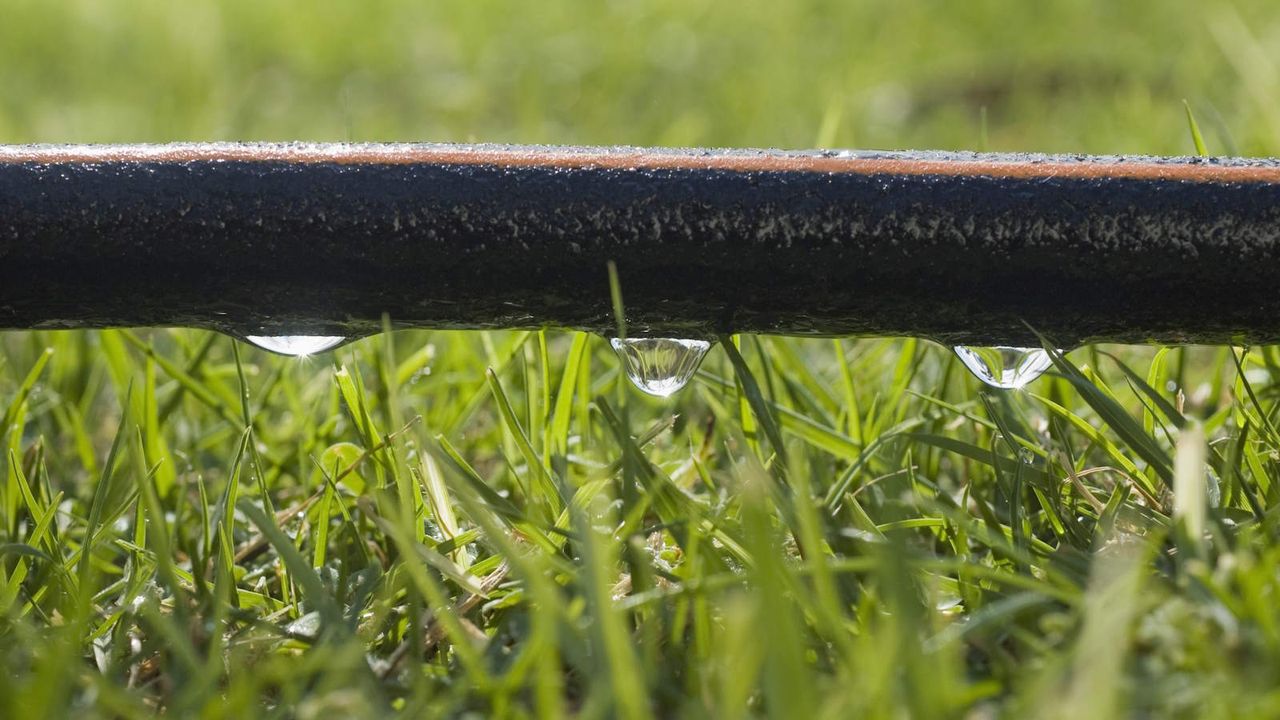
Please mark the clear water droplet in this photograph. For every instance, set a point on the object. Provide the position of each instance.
(1008, 368)
(294, 345)
(660, 366)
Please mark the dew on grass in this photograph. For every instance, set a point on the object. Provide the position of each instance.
(307, 626)
(1001, 366)
(294, 345)
(660, 366)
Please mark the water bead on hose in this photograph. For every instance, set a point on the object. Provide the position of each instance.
(660, 366)
(1004, 367)
(295, 345)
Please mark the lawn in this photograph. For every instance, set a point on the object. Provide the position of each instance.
(449, 523)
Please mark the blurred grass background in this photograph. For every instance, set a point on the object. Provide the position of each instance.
(952, 535)
(1053, 76)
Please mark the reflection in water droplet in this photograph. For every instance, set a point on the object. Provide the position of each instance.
(1008, 368)
(295, 345)
(660, 366)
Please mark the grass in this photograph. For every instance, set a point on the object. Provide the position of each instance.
(496, 524)
(851, 527)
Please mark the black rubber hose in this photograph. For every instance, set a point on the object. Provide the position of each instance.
(325, 239)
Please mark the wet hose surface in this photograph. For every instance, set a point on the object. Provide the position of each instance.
(325, 239)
